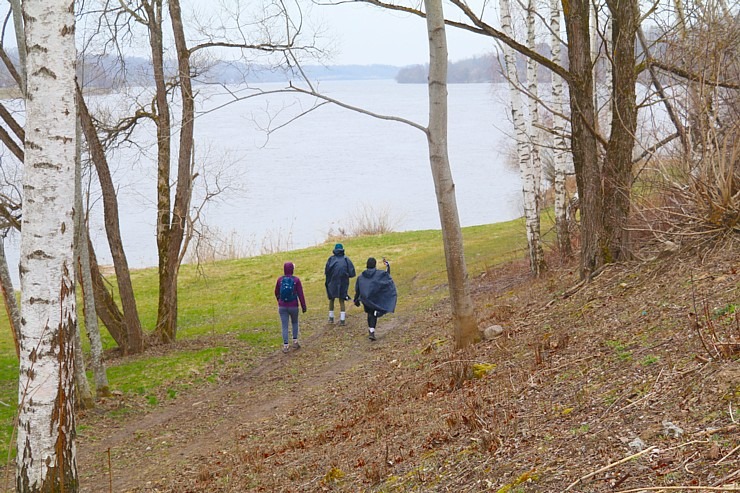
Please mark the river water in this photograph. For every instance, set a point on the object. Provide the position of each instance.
(313, 175)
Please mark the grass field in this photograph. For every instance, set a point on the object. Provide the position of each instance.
(234, 299)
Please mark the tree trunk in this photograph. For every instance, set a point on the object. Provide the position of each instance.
(167, 316)
(11, 304)
(533, 124)
(559, 147)
(135, 334)
(46, 459)
(524, 148)
(167, 303)
(617, 182)
(92, 328)
(15, 6)
(463, 314)
(584, 142)
(105, 305)
(84, 394)
(91, 313)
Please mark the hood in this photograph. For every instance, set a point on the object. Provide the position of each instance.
(338, 252)
(288, 268)
(369, 272)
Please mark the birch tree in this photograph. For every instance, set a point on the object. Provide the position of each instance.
(524, 150)
(560, 145)
(82, 263)
(46, 458)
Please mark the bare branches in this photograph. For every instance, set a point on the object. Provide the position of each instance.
(315, 94)
(480, 27)
(693, 77)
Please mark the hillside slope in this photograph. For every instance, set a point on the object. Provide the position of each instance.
(609, 386)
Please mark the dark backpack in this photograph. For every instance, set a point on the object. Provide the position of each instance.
(287, 289)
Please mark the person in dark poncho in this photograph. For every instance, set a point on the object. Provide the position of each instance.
(338, 270)
(376, 290)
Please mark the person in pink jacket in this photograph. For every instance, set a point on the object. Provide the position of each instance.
(289, 292)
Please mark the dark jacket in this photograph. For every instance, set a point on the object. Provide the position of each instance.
(376, 290)
(338, 270)
(288, 268)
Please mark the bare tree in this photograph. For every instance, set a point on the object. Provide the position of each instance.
(559, 144)
(463, 314)
(84, 275)
(46, 458)
(528, 163)
(134, 335)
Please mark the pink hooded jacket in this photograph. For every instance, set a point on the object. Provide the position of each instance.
(288, 268)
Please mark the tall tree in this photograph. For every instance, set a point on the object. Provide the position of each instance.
(134, 334)
(463, 314)
(527, 164)
(559, 143)
(46, 458)
(172, 228)
(82, 264)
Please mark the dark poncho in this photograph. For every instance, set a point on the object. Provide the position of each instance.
(338, 270)
(376, 290)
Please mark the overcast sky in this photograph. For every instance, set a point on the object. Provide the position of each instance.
(366, 34)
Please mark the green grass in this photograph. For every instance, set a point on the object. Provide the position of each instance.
(235, 297)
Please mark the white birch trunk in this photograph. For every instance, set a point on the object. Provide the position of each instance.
(82, 253)
(534, 130)
(528, 176)
(594, 30)
(84, 393)
(606, 118)
(463, 312)
(560, 145)
(46, 458)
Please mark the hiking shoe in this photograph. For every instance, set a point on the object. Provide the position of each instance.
(371, 336)
(331, 320)
(342, 322)
(296, 345)
(286, 348)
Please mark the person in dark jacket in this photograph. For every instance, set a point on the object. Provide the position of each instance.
(339, 269)
(376, 290)
(289, 292)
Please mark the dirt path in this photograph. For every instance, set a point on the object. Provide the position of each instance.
(134, 452)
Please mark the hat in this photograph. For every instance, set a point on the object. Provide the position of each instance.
(338, 246)
(371, 263)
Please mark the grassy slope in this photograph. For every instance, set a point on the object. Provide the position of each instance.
(566, 391)
(235, 299)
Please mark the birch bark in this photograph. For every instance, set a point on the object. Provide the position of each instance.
(46, 458)
(560, 145)
(528, 174)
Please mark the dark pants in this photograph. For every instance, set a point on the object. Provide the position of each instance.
(372, 317)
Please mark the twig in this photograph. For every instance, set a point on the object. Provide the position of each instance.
(712, 431)
(726, 456)
(726, 478)
(613, 464)
(681, 488)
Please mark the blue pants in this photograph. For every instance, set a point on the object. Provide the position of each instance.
(285, 313)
